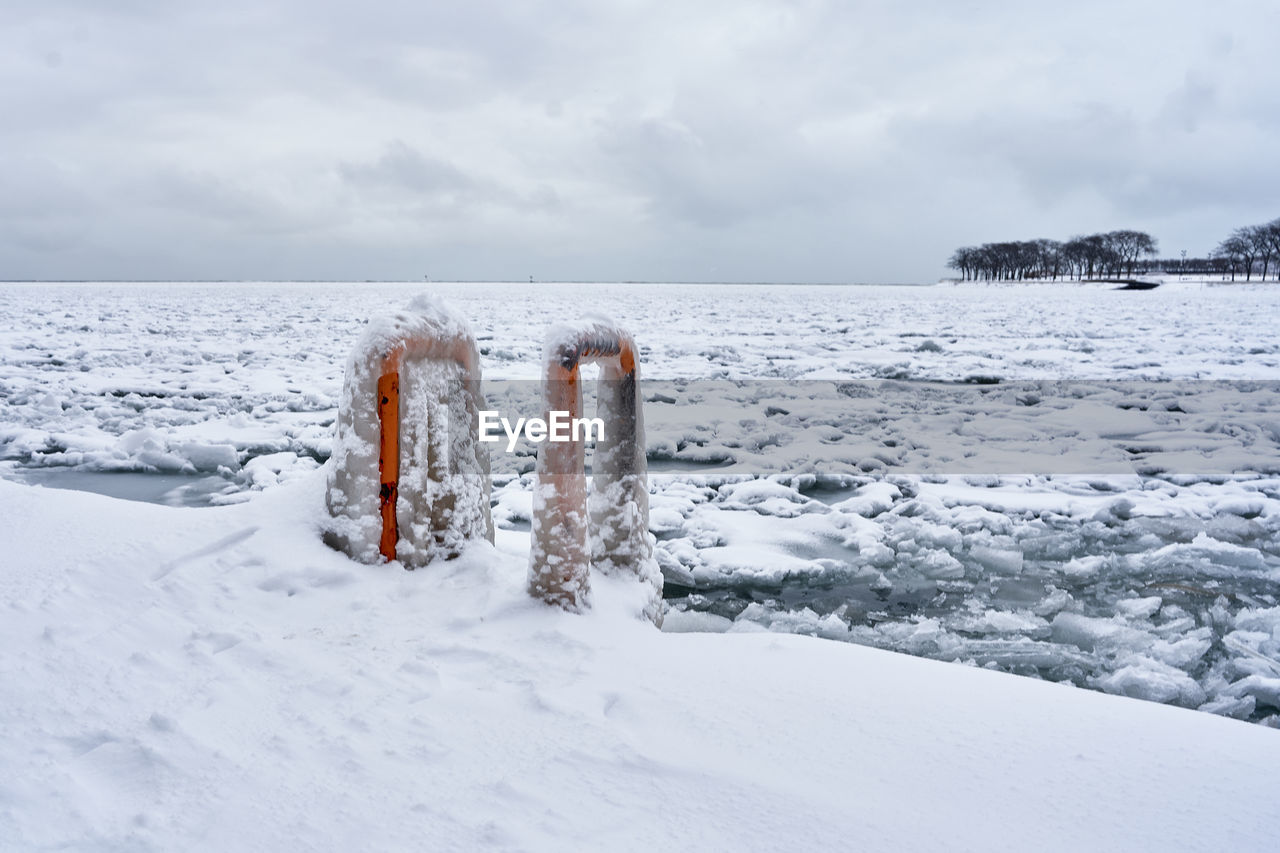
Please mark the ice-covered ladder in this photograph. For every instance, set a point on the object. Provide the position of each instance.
(609, 530)
(447, 500)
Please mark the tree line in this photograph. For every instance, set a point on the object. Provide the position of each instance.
(1108, 255)
(1115, 254)
(1251, 248)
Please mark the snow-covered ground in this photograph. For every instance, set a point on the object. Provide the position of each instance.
(217, 679)
(896, 467)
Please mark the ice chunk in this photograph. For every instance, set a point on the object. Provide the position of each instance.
(1001, 622)
(272, 468)
(802, 621)
(940, 565)
(210, 457)
(1240, 707)
(693, 621)
(1091, 632)
(1145, 678)
(1005, 562)
(1265, 690)
(1185, 651)
(766, 497)
(1055, 600)
(665, 521)
(1209, 554)
(1080, 568)
(1020, 653)
(1139, 608)
(871, 500)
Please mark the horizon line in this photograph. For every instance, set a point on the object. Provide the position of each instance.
(455, 281)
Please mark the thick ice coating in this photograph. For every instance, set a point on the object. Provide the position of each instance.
(436, 483)
(609, 529)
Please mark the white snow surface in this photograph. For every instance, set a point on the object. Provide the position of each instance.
(217, 679)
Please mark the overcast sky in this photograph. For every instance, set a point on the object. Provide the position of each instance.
(721, 141)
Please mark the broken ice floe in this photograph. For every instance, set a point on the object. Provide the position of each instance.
(1167, 598)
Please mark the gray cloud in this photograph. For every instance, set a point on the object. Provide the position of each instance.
(403, 169)
(736, 140)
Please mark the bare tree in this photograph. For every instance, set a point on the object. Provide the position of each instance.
(1049, 258)
(1273, 241)
(1263, 239)
(1099, 256)
(1237, 251)
(1248, 247)
(1128, 247)
(1075, 254)
(964, 259)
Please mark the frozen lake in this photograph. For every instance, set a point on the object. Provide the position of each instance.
(1065, 481)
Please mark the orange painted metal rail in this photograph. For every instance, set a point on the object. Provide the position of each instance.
(388, 461)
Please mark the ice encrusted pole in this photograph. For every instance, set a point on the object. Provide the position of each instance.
(610, 530)
(408, 479)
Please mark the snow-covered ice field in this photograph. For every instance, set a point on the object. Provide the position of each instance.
(917, 469)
